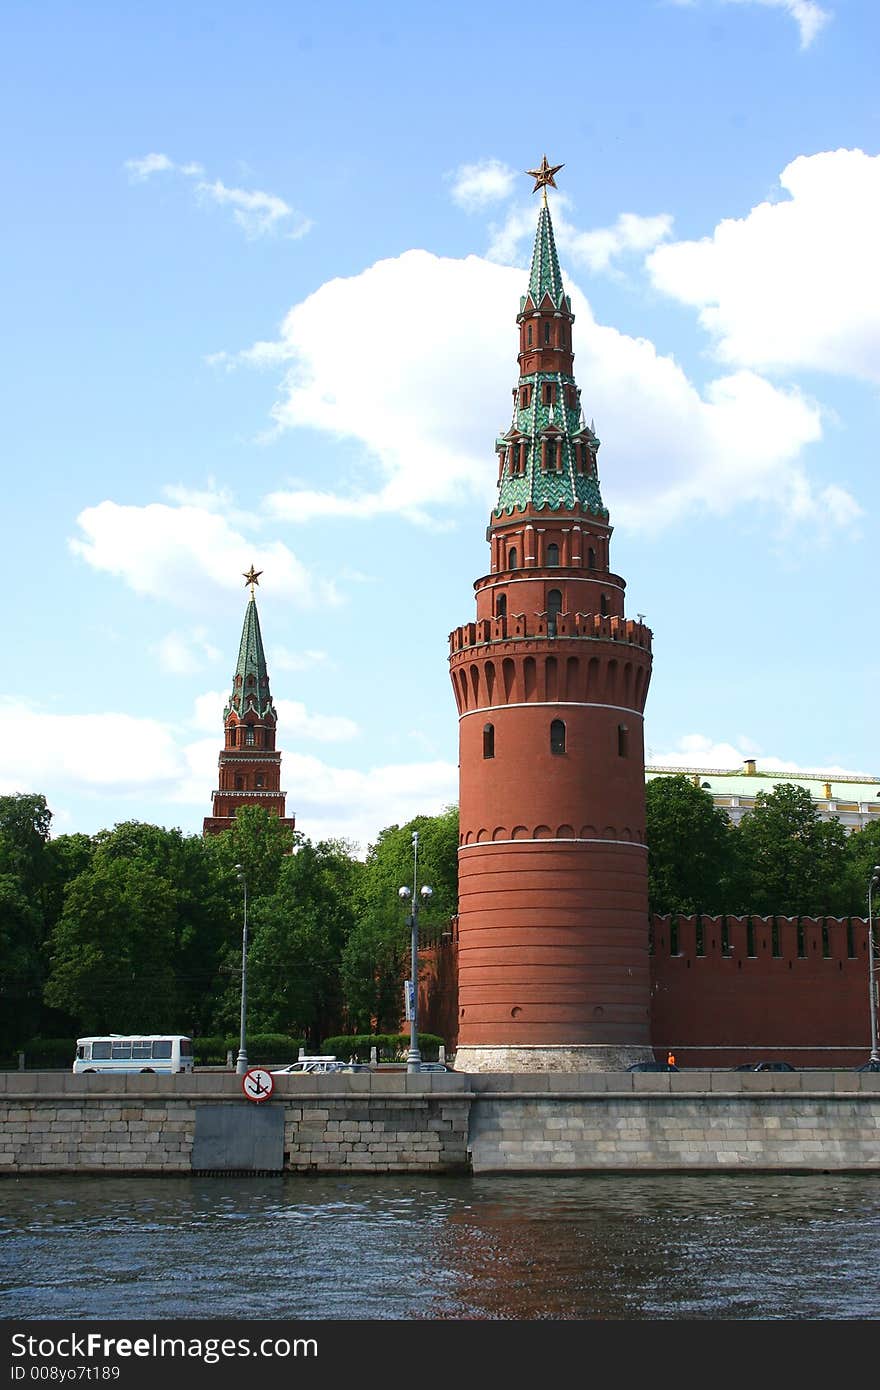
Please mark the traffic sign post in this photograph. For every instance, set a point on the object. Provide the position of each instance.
(257, 1084)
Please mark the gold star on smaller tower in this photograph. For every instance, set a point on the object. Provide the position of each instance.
(544, 176)
(252, 577)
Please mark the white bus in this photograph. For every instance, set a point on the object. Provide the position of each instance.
(155, 1052)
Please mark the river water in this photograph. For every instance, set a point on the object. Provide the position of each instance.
(610, 1247)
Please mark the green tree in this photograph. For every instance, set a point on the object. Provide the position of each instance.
(795, 862)
(257, 841)
(24, 832)
(66, 856)
(205, 900)
(299, 935)
(25, 820)
(692, 859)
(21, 963)
(112, 951)
(376, 958)
(861, 855)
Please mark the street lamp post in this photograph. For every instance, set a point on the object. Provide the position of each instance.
(414, 1056)
(873, 882)
(241, 1065)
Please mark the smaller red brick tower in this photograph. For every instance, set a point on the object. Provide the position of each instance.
(250, 767)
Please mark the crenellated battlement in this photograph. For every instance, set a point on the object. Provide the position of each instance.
(590, 627)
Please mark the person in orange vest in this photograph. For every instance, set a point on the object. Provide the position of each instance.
(670, 1059)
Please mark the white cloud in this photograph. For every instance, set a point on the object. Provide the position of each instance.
(140, 169)
(334, 802)
(184, 553)
(670, 449)
(703, 754)
(475, 185)
(794, 284)
(257, 213)
(596, 249)
(85, 752)
(307, 660)
(295, 722)
(809, 16)
(183, 653)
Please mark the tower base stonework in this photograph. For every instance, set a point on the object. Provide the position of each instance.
(549, 1059)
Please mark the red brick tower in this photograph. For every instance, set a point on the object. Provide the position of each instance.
(550, 683)
(250, 768)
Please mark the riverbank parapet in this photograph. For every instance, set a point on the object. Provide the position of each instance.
(370, 1122)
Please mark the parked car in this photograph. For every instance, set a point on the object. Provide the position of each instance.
(311, 1064)
(434, 1066)
(869, 1066)
(765, 1066)
(653, 1066)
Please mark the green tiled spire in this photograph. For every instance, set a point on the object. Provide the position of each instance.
(555, 489)
(250, 687)
(545, 276)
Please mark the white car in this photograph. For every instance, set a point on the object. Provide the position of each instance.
(311, 1064)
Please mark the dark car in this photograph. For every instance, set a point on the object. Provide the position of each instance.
(653, 1066)
(765, 1066)
(869, 1066)
(434, 1066)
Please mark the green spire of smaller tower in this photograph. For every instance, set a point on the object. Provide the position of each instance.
(545, 276)
(250, 686)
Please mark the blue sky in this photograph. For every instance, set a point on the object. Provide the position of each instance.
(262, 266)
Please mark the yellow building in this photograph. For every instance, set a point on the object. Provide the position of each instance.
(854, 801)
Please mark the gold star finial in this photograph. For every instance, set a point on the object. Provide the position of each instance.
(544, 176)
(252, 577)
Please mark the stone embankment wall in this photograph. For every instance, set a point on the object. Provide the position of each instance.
(676, 1121)
(357, 1122)
(393, 1123)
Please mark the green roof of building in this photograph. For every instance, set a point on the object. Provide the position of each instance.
(250, 686)
(740, 783)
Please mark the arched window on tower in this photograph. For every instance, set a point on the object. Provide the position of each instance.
(529, 336)
(249, 735)
(557, 736)
(622, 741)
(501, 606)
(603, 606)
(239, 784)
(488, 740)
(511, 558)
(546, 332)
(591, 558)
(554, 608)
(553, 554)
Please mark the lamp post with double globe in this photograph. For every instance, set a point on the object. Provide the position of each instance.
(414, 1056)
(873, 882)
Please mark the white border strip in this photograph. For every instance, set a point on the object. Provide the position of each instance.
(543, 578)
(552, 840)
(547, 704)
